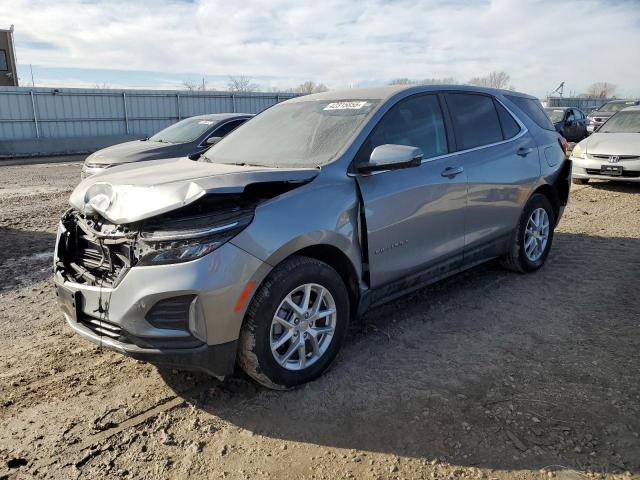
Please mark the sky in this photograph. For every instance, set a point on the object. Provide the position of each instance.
(341, 43)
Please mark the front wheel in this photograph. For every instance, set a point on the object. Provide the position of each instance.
(295, 324)
(532, 238)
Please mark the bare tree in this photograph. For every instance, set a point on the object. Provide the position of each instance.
(493, 80)
(192, 87)
(195, 87)
(601, 90)
(401, 81)
(241, 83)
(438, 81)
(425, 81)
(311, 87)
(103, 85)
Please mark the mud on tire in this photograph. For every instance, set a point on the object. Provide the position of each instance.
(255, 354)
(516, 258)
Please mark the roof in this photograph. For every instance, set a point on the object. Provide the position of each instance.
(386, 92)
(219, 117)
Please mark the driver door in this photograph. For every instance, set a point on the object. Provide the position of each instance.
(414, 216)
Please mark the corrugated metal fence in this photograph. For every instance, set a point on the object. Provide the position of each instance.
(586, 104)
(29, 113)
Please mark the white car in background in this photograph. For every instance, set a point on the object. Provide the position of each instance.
(611, 153)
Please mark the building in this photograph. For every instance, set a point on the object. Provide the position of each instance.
(8, 64)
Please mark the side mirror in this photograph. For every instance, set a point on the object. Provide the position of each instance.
(392, 157)
(213, 140)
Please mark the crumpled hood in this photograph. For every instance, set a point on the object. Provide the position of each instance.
(134, 151)
(613, 144)
(136, 191)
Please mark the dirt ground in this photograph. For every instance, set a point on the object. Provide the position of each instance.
(488, 374)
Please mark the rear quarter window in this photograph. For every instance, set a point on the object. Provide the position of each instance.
(533, 109)
(475, 120)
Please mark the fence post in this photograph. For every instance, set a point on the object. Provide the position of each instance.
(178, 105)
(126, 116)
(277, 98)
(35, 114)
(233, 103)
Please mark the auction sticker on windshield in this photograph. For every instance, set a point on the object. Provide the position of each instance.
(205, 122)
(345, 106)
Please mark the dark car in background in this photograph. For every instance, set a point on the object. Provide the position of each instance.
(569, 122)
(601, 114)
(186, 138)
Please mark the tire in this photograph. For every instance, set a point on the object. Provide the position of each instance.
(260, 327)
(517, 258)
(580, 181)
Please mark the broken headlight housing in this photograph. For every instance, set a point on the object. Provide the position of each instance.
(186, 239)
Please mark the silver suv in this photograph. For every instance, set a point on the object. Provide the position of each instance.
(318, 209)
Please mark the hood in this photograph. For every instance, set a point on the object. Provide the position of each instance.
(613, 144)
(137, 191)
(134, 151)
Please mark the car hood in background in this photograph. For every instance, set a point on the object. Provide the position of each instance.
(137, 191)
(613, 144)
(135, 151)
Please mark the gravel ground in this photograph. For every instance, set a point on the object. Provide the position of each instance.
(488, 374)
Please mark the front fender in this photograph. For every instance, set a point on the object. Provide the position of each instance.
(319, 213)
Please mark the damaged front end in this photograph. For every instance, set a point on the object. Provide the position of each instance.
(93, 251)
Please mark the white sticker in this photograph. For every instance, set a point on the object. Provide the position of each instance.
(205, 122)
(345, 106)
(558, 111)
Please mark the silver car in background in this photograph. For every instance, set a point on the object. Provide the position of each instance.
(319, 208)
(611, 153)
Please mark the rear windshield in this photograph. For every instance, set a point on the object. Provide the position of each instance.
(533, 108)
(556, 115)
(622, 122)
(614, 106)
(184, 131)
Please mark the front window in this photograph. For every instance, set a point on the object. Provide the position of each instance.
(297, 134)
(184, 131)
(622, 122)
(556, 115)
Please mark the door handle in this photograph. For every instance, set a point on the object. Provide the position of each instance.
(523, 152)
(451, 172)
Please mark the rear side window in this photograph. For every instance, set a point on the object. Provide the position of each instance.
(227, 128)
(415, 121)
(510, 127)
(534, 110)
(475, 120)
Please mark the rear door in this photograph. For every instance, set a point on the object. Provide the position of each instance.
(502, 164)
(415, 216)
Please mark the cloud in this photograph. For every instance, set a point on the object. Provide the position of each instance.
(340, 42)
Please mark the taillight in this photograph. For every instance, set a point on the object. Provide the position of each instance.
(563, 144)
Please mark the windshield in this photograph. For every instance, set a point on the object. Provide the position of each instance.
(184, 131)
(614, 106)
(622, 122)
(556, 115)
(296, 134)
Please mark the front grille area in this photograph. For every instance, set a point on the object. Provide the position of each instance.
(101, 327)
(171, 313)
(90, 258)
(625, 173)
(601, 156)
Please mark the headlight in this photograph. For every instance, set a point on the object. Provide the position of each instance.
(169, 245)
(577, 152)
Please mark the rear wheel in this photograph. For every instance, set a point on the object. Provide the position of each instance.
(580, 181)
(532, 238)
(295, 324)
